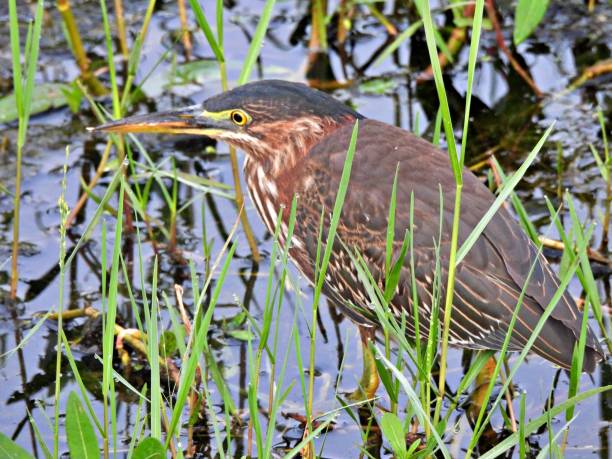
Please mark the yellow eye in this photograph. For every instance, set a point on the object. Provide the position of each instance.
(239, 117)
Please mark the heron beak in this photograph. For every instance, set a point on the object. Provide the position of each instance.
(191, 120)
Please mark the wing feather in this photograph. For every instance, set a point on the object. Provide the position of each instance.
(490, 278)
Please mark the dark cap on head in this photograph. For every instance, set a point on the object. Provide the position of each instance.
(269, 100)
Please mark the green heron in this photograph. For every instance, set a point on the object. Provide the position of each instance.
(296, 140)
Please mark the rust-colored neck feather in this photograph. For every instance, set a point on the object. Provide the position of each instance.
(284, 143)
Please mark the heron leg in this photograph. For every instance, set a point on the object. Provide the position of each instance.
(368, 384)
(482, 383)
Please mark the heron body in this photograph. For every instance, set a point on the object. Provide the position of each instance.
(296, 141)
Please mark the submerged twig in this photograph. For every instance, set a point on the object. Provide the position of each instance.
(594, 255)
(78, 50)
(178, 291)
(501, 43)
(508, 396)
(92, 183)
(185, 34)
(591, 72)
(391, 29)
(134, 338)
(121, 28)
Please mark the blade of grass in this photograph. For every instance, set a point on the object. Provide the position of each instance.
(208, 33)
(139, 421)
(533, 426)
(589, 283)
(198, 342)
(457, 166)
(108, 326)
(256, 42)
(110, 190)
(23, 98)
(506, 190)
(415, 403)
(111, 61)
(153, 354)
(322, 268)
(565, 279)
(63, 209)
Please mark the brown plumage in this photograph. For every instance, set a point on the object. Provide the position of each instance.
(296, 141)
(489, 279)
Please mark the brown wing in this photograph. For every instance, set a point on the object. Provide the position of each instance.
(490, 278)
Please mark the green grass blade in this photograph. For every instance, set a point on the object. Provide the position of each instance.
(395, 44)
(421, 413)
(189, 368)
(208, 33)
(10, 449)
(39, 437)
(476, 28)
(314, 434)
(444, 107)
(256, 42)
(111, 309)
(111, 61)
(335, 220)
(528, 226)
(527, 16)
(139, 421)
(77, 376)
(153, 354)
(552, 443)
(32, 61)
(534, 425)
(16, 56)
(321, 269)
(82, 440)
(31, 333)
(508, 187)
(108, 194)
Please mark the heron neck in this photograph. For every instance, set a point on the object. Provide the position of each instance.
(285, 151)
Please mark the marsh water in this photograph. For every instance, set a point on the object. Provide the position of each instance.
(507, 120)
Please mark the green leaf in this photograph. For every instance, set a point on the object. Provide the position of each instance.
(236, 321)
(420, 412)
(601, 165)
(149, 448)
(401, 38)
(377, 86)
(168, 344)
(528, 15)
(193, 72)
(82, 440)
(73, 96)
(387, 380)
(46, 96)
(11, 450)
(393, 431)
(241, 335)
(394, 275)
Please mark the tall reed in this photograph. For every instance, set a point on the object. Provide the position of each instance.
(23, 86)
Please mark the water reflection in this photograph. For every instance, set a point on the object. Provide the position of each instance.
(507, 120)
